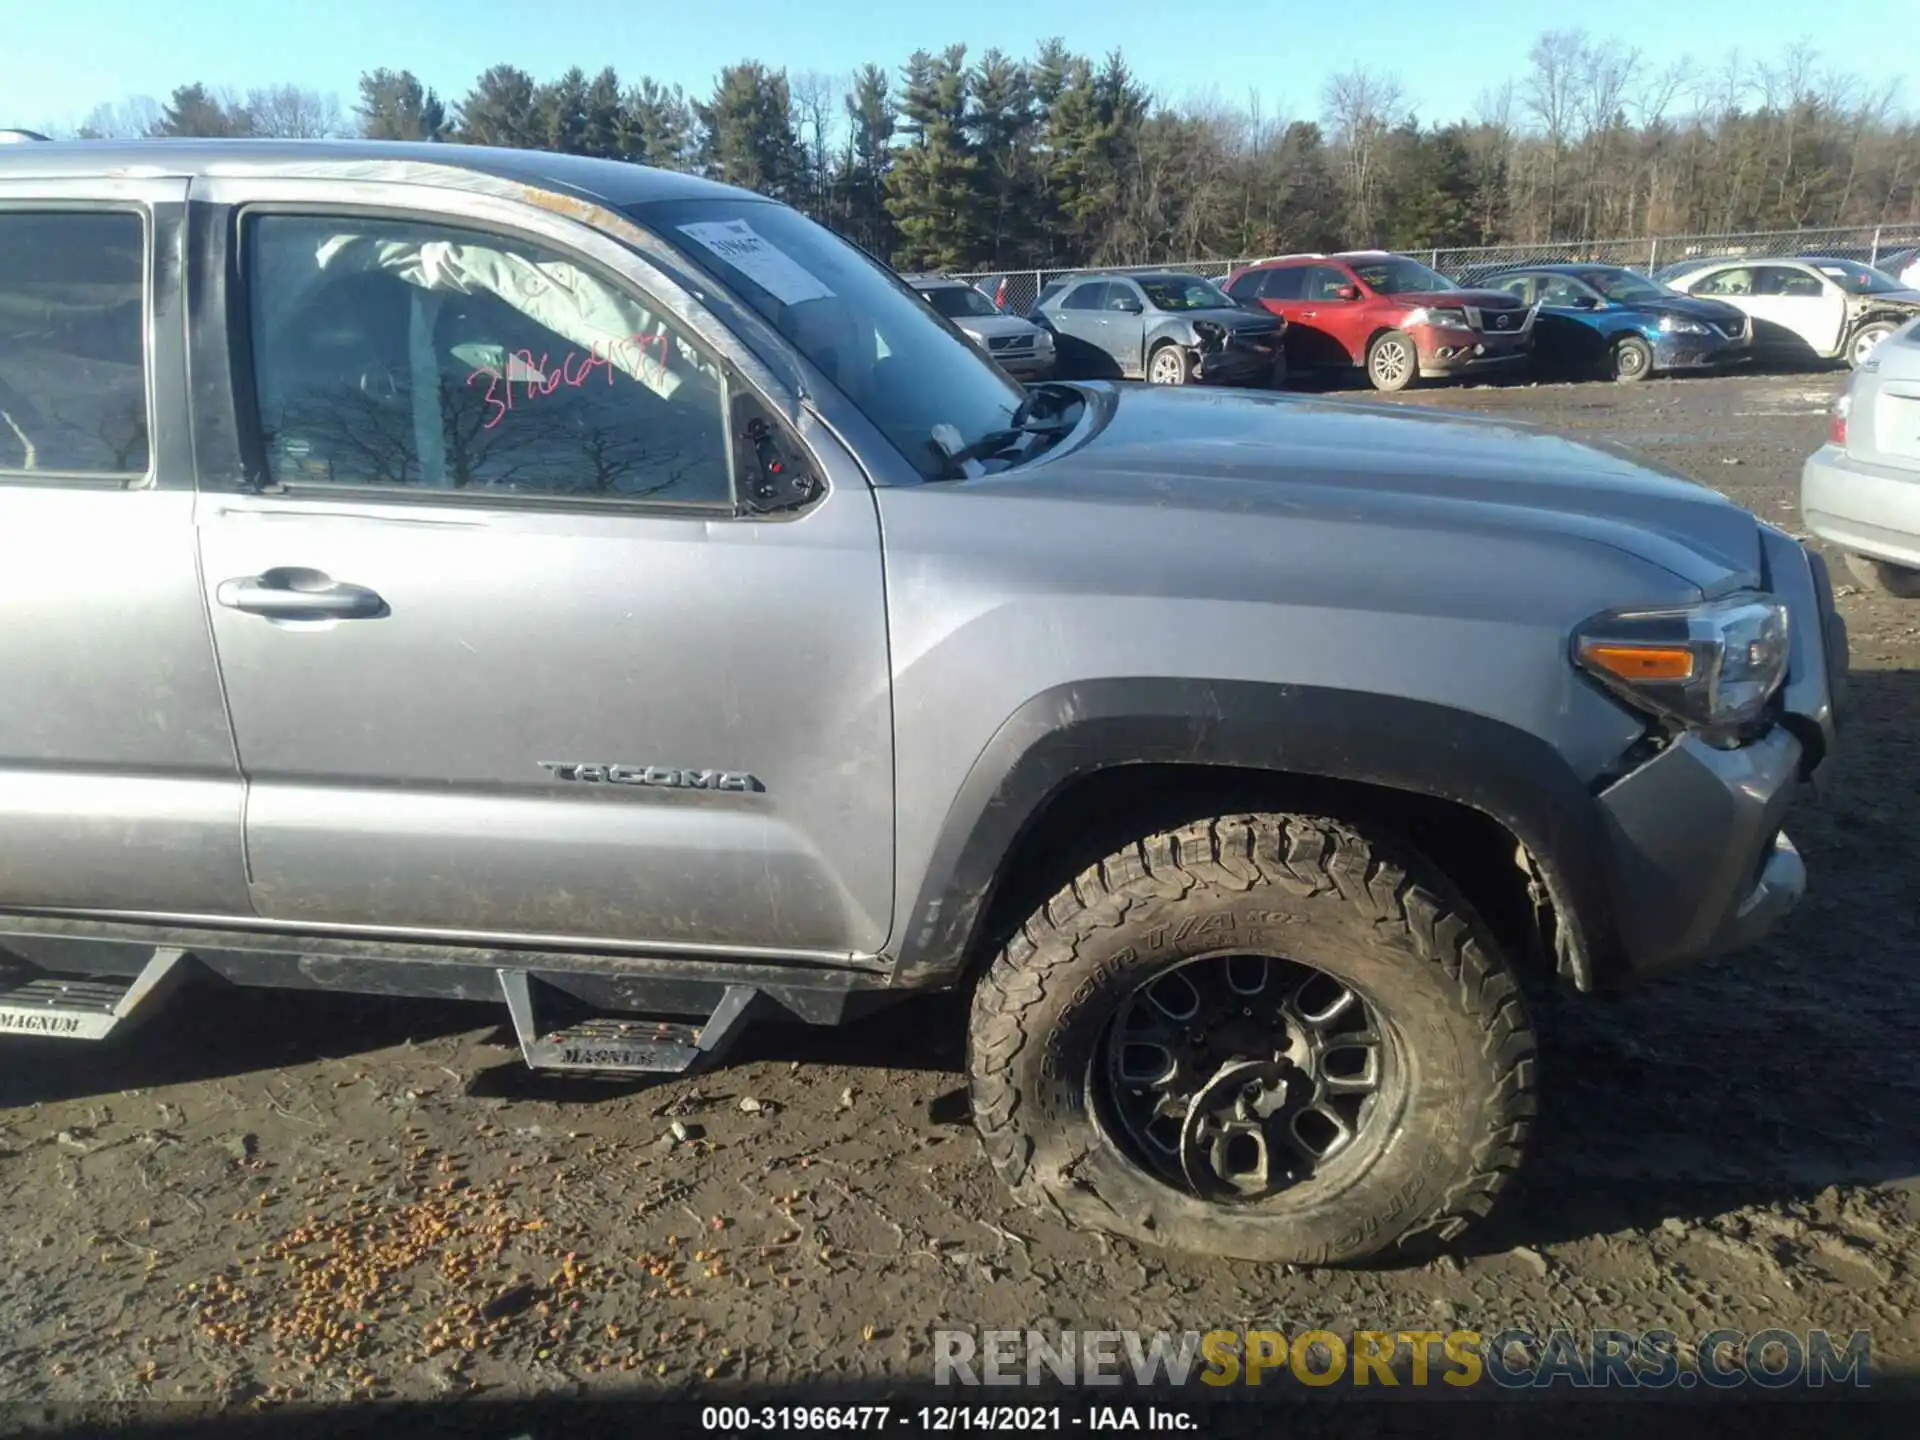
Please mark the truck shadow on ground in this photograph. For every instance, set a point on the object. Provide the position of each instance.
(1759, 1078)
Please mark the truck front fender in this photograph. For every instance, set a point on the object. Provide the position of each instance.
(1073, 730)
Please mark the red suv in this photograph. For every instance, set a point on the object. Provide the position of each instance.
(1394, 316)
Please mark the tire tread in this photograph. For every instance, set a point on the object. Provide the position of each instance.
(1302, 855)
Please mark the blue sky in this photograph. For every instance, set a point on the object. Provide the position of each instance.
(61, 57)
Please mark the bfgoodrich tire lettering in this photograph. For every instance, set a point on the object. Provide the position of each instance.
(1317, 892)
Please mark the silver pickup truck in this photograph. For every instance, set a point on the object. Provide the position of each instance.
(430, 570)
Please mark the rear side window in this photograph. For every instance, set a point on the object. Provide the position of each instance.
(1286, 283)
(1783, 280)
(1323, 282)
(1246, 286)
(73, 374)
(1560, 290)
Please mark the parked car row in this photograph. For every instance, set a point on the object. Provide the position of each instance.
(1808, 307)
(1398, 321)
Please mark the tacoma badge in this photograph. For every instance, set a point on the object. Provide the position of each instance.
(665, 776)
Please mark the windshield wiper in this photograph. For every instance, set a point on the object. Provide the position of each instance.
(963, 460)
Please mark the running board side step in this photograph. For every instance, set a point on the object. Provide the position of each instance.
(626, 1044)
(64, 1008)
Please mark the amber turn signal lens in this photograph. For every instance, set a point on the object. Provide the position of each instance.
(1640, 662)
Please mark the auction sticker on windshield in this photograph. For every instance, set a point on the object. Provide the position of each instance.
(753, 255)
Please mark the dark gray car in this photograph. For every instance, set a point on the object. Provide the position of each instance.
(434, 570)
(1165, 326)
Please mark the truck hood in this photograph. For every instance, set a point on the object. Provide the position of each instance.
(1290, 454)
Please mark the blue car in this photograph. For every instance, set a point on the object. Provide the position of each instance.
(1614, 321)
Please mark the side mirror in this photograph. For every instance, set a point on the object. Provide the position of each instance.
(1587, 302)
(1346, 292)
(1127, 305)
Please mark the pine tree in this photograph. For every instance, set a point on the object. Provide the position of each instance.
(502, 109)
(562, 113)
(862, 183)
(196, 110)
(1002, 126)
(933, 190)
(1089, 132)
(747, 131)
(395, 106)
(1429, 188)
(604, 117)
(657, 127)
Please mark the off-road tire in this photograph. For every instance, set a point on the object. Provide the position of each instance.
(1169, 364)
(1362, 909)
(1883, 577)
(1630, 360)
(1383, 373)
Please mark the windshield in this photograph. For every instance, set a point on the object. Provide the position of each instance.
(1855, 278)
(1185, 292)
(1399, 276)
(1627, 287)
(956, 301)
(905, 368)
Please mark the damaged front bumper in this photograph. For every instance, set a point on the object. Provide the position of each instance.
(1238, 357)
(1700, 352)
(1467, 353)
(1701, 860)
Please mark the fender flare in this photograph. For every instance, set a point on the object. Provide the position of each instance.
(1073, 730)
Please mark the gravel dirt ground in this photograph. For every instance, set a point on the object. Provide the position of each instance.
(268, 1196)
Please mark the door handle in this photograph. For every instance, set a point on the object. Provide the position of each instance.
(1308, 314)
(297, 594)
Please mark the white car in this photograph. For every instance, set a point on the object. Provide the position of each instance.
(1807, 308)
(1861, 490)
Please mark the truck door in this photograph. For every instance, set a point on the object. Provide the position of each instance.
(505, 653)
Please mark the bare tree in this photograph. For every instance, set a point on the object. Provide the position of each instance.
(130, 119)
(1607, 72)
(287, 112)
(1549, 89)
(1362, 107)
(816, 107)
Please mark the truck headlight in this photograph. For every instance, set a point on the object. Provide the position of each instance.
(1439, 316)
(1711, 667)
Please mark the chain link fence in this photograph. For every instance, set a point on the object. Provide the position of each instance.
(1017, 290)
